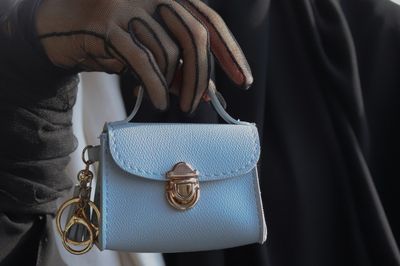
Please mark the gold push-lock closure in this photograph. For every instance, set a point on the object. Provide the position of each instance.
(183, 188)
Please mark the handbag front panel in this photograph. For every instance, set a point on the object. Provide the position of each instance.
(137, 217)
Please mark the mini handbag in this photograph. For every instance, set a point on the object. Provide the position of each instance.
(166, 187)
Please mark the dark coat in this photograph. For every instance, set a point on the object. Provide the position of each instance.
(36, 101)
(325, 98)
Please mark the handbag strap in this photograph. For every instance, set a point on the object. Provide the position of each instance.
(216, 103)
(93, 151)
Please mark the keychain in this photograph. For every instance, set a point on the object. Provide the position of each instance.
(79, 229)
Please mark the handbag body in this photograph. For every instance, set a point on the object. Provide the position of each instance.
(135, 213)
(170, 187)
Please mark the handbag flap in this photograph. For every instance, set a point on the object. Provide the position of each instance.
(216, 151)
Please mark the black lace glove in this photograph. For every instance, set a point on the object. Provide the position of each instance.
(114, 35)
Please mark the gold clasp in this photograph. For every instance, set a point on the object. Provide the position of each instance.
(183, 188)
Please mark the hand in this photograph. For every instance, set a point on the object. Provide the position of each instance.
(114, 35)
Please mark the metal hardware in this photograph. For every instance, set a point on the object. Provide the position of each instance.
(78, 218)
(183, 187)
(86, 161)
(80, 213)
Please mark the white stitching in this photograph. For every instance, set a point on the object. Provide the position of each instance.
(108, 196)
(260, 214)
(252, 160)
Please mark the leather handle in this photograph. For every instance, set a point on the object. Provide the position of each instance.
(214, 101)
(138, 103)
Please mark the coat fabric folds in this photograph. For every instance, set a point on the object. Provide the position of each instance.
(325, 101)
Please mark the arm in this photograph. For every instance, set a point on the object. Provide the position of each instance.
(36, 100)
(22, 59)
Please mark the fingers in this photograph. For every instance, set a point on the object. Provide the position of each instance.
(194, 26)
(150, 33)
(193, 40)
(142, 62)
(97, 56)
(223, 44)
(94, 41)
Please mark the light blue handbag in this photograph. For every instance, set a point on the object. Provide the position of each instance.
(175, 187)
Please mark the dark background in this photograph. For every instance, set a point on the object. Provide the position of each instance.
(325, 99)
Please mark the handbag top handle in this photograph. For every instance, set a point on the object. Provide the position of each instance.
(214, 101)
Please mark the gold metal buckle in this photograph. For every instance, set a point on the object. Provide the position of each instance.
(183, 187)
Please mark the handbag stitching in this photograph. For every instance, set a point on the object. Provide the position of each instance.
(260, 218)
(255, 194)
(107, 195)
(255, 149)
(252, 160)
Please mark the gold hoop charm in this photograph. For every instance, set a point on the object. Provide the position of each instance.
(183, 187)
(78, 218)
(75, 220)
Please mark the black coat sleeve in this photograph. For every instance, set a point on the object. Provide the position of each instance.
(36, 138)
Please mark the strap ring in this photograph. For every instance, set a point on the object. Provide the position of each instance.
(86, 161)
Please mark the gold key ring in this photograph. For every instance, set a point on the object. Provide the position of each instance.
(89, 243)
(77, 220)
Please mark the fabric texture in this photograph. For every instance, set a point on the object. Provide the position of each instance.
(325, 98)
(36, 102)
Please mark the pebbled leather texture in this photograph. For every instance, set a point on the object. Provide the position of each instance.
(136, 216)
(216, 154)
